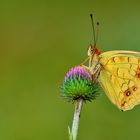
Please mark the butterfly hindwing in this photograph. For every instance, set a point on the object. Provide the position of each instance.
(120, 77)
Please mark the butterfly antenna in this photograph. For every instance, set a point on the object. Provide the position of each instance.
(93, 28)
(97, 32)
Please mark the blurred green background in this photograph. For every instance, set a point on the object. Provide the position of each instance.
(39, 42)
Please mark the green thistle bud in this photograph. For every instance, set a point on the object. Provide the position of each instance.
(78, 84)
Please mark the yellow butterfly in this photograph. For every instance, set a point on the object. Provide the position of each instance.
(118, 72)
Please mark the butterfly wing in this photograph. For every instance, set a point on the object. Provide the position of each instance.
(120, 77)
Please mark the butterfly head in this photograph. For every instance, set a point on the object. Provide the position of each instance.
(92, 50)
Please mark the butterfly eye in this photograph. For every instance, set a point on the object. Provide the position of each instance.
(91, 51)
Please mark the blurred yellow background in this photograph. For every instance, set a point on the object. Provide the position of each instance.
(39, 42)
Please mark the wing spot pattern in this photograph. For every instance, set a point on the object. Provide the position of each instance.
(113, 59)
(134, 88)
(127, 92)
(138, 68)
(121, 59)
(138, 72)
(138, 75)
(123, 104)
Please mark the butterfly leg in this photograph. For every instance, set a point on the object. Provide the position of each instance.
(86, 67)
(96, 72)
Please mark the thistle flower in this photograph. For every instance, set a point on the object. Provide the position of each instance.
(78, 84)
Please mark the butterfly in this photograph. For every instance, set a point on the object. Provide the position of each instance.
(118, 73)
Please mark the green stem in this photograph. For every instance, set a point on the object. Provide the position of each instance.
(78, 108)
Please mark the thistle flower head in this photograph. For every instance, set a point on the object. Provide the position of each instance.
(78, 84)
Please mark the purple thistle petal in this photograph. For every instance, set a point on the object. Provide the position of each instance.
(78, 71)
